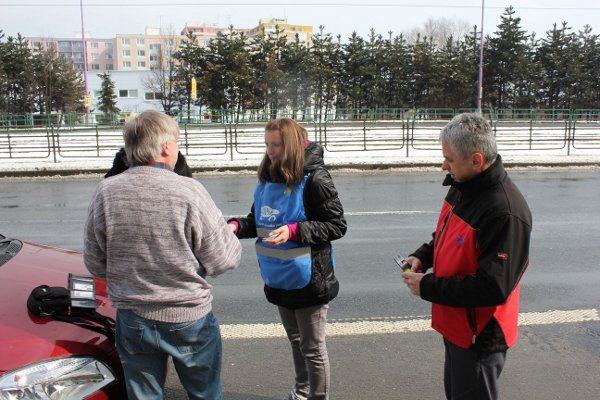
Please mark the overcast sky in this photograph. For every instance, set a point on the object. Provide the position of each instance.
(106, 18)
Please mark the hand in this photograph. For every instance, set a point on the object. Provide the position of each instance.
(415, 264)
(232, 228)
(413, 281)
(282, 235)
(412, 278)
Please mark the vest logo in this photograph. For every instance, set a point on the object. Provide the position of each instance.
(459, 240)
(269, 213)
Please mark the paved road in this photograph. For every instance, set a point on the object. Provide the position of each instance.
(380, 345)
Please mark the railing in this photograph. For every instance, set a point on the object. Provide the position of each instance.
(410, 131)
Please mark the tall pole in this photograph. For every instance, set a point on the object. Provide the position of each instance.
(480, 80)
(85, 64)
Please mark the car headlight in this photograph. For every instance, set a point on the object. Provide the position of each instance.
(58, 379)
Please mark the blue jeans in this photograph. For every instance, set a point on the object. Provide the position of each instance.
(144, 347)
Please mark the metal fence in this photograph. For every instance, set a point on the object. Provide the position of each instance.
(410, 131)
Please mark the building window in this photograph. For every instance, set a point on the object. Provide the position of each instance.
(94, 45)
(95, 56)
(152, 96)
(141, 64)
(125, 41)
(95, 67)
(109, 67)
(140, 42)
(127, 64)
(128, 93)
(141, 53)
(108, 56)
(108, 45)
(126, 53)
(154, 46)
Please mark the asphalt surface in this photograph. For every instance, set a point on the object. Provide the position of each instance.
(388, 213)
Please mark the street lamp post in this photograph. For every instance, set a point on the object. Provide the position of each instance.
(480, 80)
(85, 66)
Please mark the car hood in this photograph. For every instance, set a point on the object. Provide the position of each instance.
(26, 338)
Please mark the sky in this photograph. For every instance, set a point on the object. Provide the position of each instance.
(106, 18)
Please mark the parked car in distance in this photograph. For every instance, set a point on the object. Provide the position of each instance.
(43, 358)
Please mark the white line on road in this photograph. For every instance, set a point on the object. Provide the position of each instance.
(391, 212)
(368, 213)
(398, 325)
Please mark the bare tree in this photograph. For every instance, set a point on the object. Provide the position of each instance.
(162, 78)
(438, 31)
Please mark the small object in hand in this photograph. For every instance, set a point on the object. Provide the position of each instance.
(404, 266)
(272, 236)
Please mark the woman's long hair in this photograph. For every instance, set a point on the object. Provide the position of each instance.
(290, 168)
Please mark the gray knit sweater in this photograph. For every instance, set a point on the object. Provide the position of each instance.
(155, 236)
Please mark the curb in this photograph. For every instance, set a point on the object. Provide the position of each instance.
(243, 169)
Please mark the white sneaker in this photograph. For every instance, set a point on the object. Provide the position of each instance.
(294, 395)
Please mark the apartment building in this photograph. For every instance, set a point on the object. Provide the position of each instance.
(205, 32)
(99, 52)
(271, 25)
(147, 51)
(131, 58)
(153, 48)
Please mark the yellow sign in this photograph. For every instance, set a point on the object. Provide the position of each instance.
(193, 92)
(88, 101)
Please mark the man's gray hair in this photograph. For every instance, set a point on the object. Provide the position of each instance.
(468, 133)
(145, 134)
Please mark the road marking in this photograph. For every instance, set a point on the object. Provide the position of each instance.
(391, 212)
(399, 325)
(366, 213)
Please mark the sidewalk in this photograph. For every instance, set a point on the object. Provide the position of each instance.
(247, 163)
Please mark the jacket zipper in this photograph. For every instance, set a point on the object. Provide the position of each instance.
(442, 230)
(472, 318)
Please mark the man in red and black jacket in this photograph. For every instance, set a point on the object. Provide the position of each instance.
(478, 254)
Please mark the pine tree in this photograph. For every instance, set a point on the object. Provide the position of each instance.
(19, 87)
(506, 61)
(325, 75)
(354, 58)
(266, 52)
(555, 57)
(295, 65)
(108, 98)
(586, 90)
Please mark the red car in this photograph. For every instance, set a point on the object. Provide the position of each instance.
(42, 358)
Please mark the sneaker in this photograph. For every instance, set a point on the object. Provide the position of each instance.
(294, 395)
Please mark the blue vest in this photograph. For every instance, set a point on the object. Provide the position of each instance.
(288, 265)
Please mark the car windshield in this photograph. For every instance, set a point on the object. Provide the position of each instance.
(8, 248)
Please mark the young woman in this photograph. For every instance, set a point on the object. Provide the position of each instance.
(295, 216)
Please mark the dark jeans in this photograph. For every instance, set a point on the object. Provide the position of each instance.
(471, 375)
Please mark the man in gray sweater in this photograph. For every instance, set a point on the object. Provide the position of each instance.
(155, 236)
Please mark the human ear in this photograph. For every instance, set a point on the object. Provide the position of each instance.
(478, 160)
